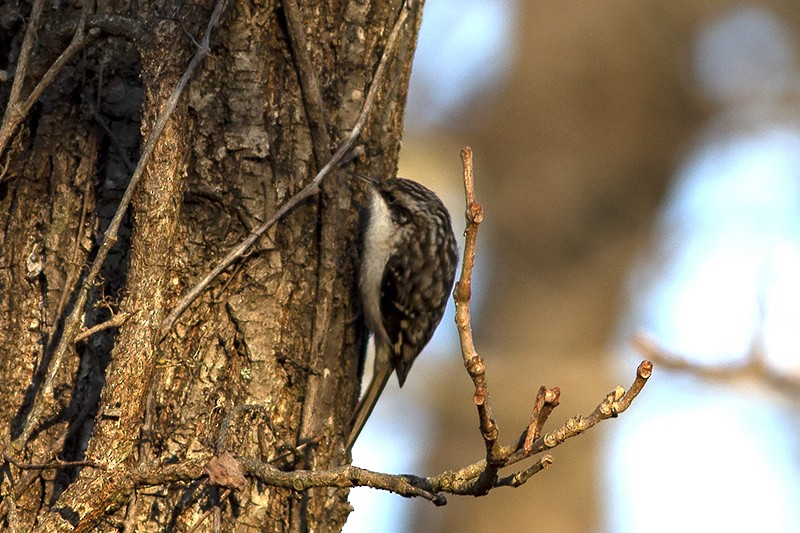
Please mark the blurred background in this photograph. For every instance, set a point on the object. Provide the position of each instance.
(639, 164)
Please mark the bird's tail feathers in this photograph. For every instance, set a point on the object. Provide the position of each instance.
(368, 401)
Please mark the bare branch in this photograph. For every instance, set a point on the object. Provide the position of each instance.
(520, 478)
(12, 116)
(17, 109)
(615, 402)
(643, 373)
(312, 96)
(462, 295)
(113, 322)
(546, 401)
(754, 368)
(55, 464)
(342, 477)
(85, 170)
(468, 480)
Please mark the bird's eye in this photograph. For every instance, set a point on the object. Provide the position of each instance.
(400, 214)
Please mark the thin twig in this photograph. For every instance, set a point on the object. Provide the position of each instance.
(546, 401)
(56, 464)
(72, 324)
(312, 96)
(343, 477)
(643, 373)
(315, 114)
(462, 296)
(308, 191)
(113, 322)
(520, 478)
(130, 513)
(74, 265)
(17, 110)
(115, 141)
(12, 112)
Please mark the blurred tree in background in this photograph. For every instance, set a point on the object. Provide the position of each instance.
(578, 144)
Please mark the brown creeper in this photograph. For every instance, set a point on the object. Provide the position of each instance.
(407, 271)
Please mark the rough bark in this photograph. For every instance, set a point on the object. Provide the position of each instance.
(267, 359)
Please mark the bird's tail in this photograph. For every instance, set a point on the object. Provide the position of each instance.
(368, 401)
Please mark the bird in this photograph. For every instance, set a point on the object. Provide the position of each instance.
(407, 270)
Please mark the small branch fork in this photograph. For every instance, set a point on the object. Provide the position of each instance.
(231, 473)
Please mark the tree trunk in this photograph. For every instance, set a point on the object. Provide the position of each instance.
(266, 362)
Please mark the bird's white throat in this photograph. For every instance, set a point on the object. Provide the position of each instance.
(379, 241)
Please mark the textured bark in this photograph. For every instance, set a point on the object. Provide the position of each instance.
(277, 331)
